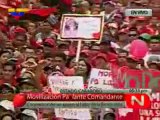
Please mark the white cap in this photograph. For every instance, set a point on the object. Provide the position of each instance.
(108, 110)
(8, 105)
(31, 113)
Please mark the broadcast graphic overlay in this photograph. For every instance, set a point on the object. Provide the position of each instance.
(110, 99)
(17, 12)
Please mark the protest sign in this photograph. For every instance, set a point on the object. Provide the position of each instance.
(65, 82)
(81, 27)
(148, 79)
(80, 114)
(100, 79)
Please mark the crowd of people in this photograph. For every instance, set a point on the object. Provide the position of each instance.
(30, 50)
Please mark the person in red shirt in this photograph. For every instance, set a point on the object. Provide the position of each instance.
(105, 48)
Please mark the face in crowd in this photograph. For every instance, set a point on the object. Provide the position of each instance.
(9, 70)
(4, 56)
(20, 40)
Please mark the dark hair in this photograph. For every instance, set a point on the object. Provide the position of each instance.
(61, 55)
(10, 48)
(61, 46)
(69, 61)
(4, 51)
(10, 63)
(48, 55)
(123, 51)
(84, 55)
(132, 29)
(112, 115)
(88, 66)
(156, 37)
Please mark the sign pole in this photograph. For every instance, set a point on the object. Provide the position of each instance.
(78, 50)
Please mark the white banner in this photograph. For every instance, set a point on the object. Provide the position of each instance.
(65, 82)
(100, 79)
(82, 27)
(80, 114)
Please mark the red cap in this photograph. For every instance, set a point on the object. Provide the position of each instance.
(19, 30)
(148, 30)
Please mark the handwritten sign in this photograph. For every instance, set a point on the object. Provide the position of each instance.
(154, 112)
(80, 114)
(100, 79)
(81, 27)
(139, 79)
(65, 82)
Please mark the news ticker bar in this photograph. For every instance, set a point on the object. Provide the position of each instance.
(87, 100)
(51, 105)
(132, 90)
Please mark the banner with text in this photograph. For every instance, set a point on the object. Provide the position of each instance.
(100, 79)
(129, 78)
(80, 114)
(65, 82)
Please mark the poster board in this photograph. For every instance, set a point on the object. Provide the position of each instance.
(81, 27)
(100, 79)
(128, 78)
(78, 114)
(65, 82)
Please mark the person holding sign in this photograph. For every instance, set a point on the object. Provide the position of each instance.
(83, 69)
(100, 62)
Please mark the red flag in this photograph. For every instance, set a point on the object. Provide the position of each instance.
(42, 12)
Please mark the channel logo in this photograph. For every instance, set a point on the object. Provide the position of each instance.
(138, 12)
(17, 11)
(138, 101)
